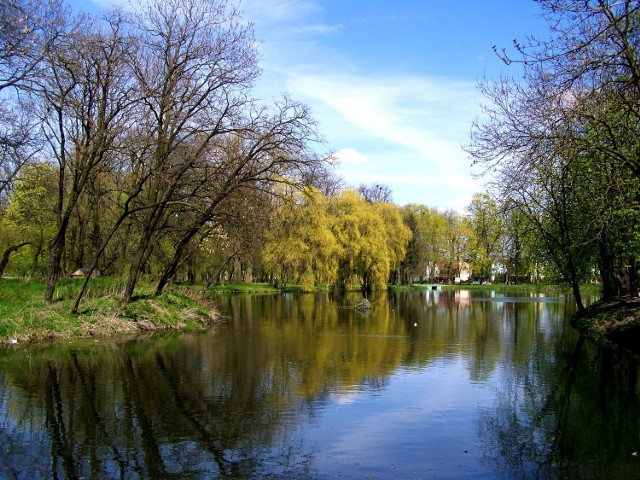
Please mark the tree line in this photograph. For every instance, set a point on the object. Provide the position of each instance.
(131, 145)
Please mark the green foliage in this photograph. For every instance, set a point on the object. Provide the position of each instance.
(487, 227)
(30, 217)
(372, 238)
(307, 281)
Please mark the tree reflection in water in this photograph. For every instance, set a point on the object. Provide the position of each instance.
(256, 398)
(547, 422)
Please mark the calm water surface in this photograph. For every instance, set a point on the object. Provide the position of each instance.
(430, 385)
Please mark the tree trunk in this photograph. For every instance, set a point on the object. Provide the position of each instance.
(607, 269)
(634, 278)
(7, 253)
(56, 248)
(36, 256)
(96, 259)
(140, 259)
(575, 287)
(170, 270)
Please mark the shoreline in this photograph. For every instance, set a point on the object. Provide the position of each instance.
(98, 326)
(612, 323)
(26, 319)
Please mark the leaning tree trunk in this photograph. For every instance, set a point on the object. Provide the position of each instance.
(175, 262)
(7, 253)
(142, 255)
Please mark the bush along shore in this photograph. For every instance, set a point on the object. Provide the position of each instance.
(25, 317)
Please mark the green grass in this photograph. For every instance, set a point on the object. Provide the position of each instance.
(237, 288)
(585, 290)
(24, 316)
(257, 288)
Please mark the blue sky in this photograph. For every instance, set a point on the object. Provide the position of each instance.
(392, 84)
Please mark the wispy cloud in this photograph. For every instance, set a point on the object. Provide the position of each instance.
(410, 130)
(319, 29)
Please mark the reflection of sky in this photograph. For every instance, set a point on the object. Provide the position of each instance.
(422, 423)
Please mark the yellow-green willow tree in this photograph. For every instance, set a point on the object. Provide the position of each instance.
(299, 242)
(29, 219)
(398, 235)
(372, 239)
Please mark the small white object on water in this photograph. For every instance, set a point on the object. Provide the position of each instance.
(415, 324)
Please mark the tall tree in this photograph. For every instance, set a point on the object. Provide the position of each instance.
(84, 97)
(458, 243)
(28, 30)
(571, 117)
(193, 67)
(299, 242)
(399, 235)
(486, 223)
(272, 147)
(372, 239)
(414, 264)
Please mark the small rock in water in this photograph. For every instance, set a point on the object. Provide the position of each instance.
(363, 304)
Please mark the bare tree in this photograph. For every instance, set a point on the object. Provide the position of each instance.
(376, 193)
(28, 29)
(194, 66)
(558, 139)
(591, 58)
(272, 147)
(85, 94)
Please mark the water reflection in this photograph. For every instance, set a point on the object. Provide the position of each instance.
(428, 384)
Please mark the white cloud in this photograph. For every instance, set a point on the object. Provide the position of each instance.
(426, 115)
(319, 29)
(350, 156)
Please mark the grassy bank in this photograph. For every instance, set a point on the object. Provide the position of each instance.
(239, 288)
(258, 288)
(24, 317)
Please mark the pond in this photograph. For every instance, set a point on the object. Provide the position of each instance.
(428, 384)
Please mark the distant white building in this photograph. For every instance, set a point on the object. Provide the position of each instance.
(464, 273)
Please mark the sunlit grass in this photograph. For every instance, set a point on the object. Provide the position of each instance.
(24, 316)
